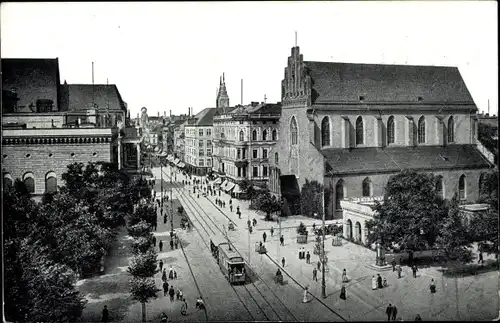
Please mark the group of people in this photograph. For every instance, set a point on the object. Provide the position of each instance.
(378, 282)
(220, 203)
(304, 255)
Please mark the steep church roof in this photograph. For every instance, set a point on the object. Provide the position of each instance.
(346, 82)
(80, 97)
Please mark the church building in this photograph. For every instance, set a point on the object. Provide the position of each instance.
(351, 126)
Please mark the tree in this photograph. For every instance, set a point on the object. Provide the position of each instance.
(142, 290)
(141, 229)
(247, 187)
(141, 245)
(311, 198)
(267, 203)
(301, 229)
(144, 265)
(409, 217)
(453, 238)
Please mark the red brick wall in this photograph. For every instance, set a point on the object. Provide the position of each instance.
(15, 162)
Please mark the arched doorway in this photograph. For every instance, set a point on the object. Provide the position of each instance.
(358, 232)
(348, 229)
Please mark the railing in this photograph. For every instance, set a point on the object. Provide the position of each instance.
(364, 199)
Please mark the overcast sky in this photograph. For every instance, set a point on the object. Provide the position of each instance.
(169, 56)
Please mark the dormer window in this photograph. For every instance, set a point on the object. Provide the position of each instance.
(361, 98)
(420, 98)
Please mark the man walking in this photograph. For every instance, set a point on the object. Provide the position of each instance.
(394, 312)
(414, 269)
(282, 240)
(318, 265)
(264, 236)
(399, 271)
(176, 244)
(105, 314)
(393, 263)
(388, 311)
(171, 244)
(154, 241)
(171, 293)
(161, 265)
(165, 288)
(315, 274)
(480, 261)
(283, 261)
(272, 231)
(160, 245)
(308, 258)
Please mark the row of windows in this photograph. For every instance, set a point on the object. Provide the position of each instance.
(266, 135)
(201, 132)
(325, 131)
(29, 181)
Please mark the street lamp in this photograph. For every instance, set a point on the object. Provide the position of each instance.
(323, 279)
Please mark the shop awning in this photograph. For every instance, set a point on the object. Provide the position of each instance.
(181, 164)
(237, 189)
(229, 186)
(223, 185)
(218, 181)
(176, 161)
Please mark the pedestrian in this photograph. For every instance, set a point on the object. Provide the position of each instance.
(239, 214)
(393, 263)
(374, 283)
(418, 318)
(432, 286)
(304, 299)
(184, 307)
(175, 274)
(231, 208)
(272, 231)
(223, 204)
(379, 281)
(283, 261)
(248, 223)
(414, 269)
(343, 293)
(176, 244)
(282, 240)
(264, 236)
(164, 219)
(255, 222)
(308, 258)
(171, 273)
(238, 209)
(394, 312)
(399, 271)
(181, 296)
(344, 276)
(165, 288)
(171, 244)
(177, 295)
(161, 265)
(154, 241)
(230, 202)
(300, 253)
(105, 314)
(164, 275)
(160, 245)
(171, 292)
(480, 261)
(318, 265)
(199, 303)
(315, 274)
(388, 311)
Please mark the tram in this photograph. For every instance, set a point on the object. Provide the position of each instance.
(230, 263)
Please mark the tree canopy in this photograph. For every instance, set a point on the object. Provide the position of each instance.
(410, 215)
(311, 198)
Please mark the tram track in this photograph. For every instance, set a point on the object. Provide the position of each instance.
(266, 308)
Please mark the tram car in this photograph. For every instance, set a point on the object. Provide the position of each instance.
(230, 263)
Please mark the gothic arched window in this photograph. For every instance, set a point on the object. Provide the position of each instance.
(293, 131)
(241, 135)
(7, 181)
(439, 186)
(50, 182)
(254, 135)
(390, 130)
(451, 129)
(367, 187)
(359, 131)
(325, 132)
(274, 135)
(462, 191)
(276, 158)
(264, 135)
(421, 130)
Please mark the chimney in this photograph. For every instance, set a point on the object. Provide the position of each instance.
(164, 114)
(254, 103)
(170, 114)
(158, 114)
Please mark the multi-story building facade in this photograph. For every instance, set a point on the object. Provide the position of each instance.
(46, 126)
(243, 138)
(198, 142)
(351, 126)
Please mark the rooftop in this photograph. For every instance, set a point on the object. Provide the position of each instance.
(347, 82)
(375, 160)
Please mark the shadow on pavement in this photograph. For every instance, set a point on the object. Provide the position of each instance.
(470, 269)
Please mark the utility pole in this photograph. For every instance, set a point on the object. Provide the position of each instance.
(323, 280)
(249, 242)
(161, 188)
(172, 217)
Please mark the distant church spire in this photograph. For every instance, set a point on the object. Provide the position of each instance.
(222, 97)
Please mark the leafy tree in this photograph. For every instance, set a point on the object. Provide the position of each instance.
(144, 265)
(246, 187)
(141, 229)
(410, 215)
(267, 203)
(143, 212)
(180, 210)
(142, 290)
(486, 133)
(141, 245)
(453, 238)
(311, 198)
